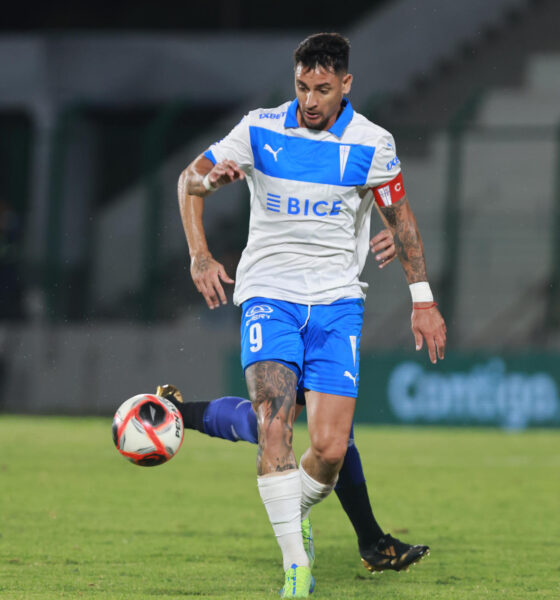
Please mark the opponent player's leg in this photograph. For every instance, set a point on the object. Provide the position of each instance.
(379, 551)
(229, 418)
(353, 495)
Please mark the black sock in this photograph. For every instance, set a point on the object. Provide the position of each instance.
(355, 501)
(192, 413)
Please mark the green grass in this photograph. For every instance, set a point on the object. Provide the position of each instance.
(78, 521)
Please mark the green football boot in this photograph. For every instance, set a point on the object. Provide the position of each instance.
(307, 534)
(299, 583)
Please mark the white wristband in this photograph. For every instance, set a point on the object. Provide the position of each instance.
(207, 185)
(421, 292)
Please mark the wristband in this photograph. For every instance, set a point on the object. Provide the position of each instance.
(424, 307)
(421, 292)
(207, 185)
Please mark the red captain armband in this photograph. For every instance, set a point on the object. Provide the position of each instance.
(389, 192)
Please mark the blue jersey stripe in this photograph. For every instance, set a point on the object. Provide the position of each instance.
(301, 159)
(210, 156)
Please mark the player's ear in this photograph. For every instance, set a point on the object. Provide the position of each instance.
(347, 83)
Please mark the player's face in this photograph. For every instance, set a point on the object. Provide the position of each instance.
(319, 92)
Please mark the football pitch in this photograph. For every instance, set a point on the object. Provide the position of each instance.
(78, 521)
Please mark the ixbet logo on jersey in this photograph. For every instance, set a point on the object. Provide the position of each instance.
(304, 207)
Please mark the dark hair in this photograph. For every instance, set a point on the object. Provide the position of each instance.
(327, 50)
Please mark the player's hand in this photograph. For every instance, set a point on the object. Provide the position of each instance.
(225, 172)
(428, 324)
(208, 275)
(384, 245)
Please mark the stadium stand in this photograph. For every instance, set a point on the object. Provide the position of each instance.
(505, 214)
(507, 209)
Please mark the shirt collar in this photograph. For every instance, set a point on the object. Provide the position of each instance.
(337, 127)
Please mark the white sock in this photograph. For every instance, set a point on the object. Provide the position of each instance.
(312, 492)
(281, 496)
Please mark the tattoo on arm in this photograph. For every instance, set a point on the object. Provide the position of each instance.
(197, 189)
(408, 243)
(390, 215)
(272, 389)
(201, 264)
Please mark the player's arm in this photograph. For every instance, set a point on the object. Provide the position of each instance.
(427, 322)
(207, 273)
(382, 244)
(202, 177)
(221, 164)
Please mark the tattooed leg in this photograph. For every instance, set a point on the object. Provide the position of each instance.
(272, 389)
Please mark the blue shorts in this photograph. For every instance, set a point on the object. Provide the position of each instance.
(319, 342)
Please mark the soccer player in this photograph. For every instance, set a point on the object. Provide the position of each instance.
(314, 168)
(233, 418)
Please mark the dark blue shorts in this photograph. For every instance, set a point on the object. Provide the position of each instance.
(320, 342)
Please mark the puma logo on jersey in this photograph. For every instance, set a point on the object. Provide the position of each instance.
(350, 376)
(273, 152)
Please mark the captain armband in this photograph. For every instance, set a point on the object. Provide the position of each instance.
(390, 192)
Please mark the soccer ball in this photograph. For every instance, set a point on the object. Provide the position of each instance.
(148, 430)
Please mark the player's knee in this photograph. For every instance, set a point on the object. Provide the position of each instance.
(329, 451)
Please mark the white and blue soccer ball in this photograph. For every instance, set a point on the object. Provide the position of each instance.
(148, 430)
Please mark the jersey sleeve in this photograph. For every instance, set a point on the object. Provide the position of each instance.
(235, 146)
(385, 177)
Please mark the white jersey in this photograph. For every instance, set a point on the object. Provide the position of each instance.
(311, 200)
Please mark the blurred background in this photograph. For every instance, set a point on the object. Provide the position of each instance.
(100, 111)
